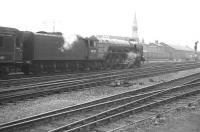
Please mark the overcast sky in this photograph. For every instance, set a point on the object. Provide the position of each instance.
(170, 21)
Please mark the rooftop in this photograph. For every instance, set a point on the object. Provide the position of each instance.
(179, 47)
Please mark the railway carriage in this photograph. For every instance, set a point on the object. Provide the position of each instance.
(10, 50)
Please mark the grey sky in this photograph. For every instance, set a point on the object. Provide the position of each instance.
(170, 21)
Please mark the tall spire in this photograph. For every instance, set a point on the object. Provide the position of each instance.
(135, 30)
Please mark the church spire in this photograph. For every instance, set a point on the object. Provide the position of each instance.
(135, 30)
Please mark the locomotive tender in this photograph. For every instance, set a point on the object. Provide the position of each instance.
(49, 52)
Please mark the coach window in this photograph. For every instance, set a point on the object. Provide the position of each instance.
(1, 41)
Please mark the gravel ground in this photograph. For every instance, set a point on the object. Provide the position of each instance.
(188, 123)
(186, 119)
(21, 109)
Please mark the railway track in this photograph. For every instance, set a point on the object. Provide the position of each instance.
(36, 79)
(127, 109)
(40, 78)
(108, 109)
(148, 118)
(37, 89)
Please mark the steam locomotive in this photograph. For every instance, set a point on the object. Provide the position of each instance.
(30, 52)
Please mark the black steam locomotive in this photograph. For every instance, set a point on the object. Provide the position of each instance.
(30, 52)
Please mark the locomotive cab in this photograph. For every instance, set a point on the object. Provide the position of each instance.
(92, 49)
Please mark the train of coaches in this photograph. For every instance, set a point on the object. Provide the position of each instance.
(30, 52)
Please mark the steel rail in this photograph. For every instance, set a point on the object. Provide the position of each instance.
(15, 82)
(73, 74)
(57, 77)
(71, 110)
(80, 79)
(129, 108)
(153, 116)
(116, 99)
(66, 86)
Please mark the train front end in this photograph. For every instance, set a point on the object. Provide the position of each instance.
(118, 52)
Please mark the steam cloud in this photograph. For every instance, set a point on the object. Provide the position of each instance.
(68, 42)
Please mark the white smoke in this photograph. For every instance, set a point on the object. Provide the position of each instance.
(131, 56)
(68, 42)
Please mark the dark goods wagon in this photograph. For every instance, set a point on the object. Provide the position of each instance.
(10, 50)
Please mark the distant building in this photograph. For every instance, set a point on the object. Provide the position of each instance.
(156, 52)
(162, 51)
(182, 52)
